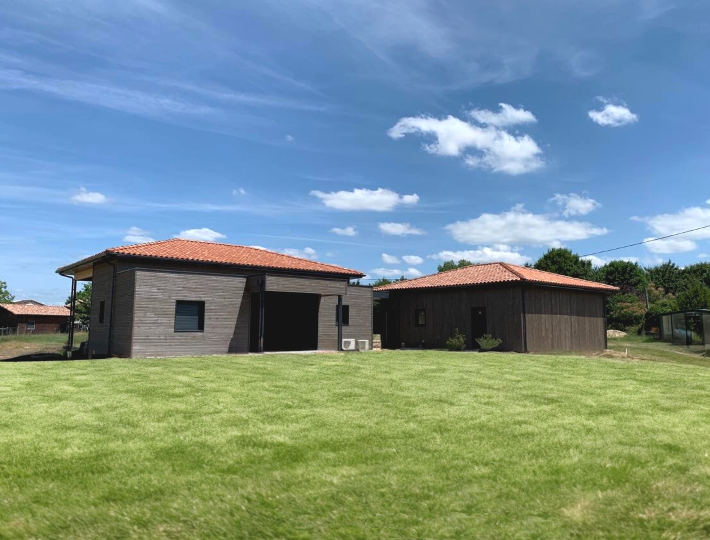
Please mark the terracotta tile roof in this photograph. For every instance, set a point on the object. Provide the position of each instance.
(212, 252)
(482, 274)
(33, 309)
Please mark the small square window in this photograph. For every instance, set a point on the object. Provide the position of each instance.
(346, 315)
(189, 316)
(420, 317)
(102, 311)
(30, 325)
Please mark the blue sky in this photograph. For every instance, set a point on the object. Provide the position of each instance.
(382, 136)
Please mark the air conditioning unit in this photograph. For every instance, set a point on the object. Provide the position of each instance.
(363, 345)
(349, 345)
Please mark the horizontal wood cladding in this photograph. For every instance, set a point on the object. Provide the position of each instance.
(564, 320)
(360, 301)
(448, 309)
(102, 282)
(122, 315)
(307, 285)
(226, 328)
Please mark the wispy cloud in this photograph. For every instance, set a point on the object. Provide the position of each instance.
(204, 234)
(89, 197)
(136, 235)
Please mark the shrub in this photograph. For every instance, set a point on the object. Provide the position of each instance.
(625, 312)
(488, 342)
(457, 342)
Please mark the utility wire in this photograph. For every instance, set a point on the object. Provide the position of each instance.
(646, 241)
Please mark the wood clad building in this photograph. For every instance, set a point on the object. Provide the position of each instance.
(31, 317)
(183, 297)
(529, 310)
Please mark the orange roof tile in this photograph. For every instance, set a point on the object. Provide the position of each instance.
(212, 252)
(33, 309)
(498, 272)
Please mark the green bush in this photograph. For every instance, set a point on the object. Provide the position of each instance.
(488, 342)
(457, 342)
(625, 312)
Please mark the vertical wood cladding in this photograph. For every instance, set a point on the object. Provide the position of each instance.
(225, 328)
(100, 291)
(564, 320)
(448, 309)
(360, 301)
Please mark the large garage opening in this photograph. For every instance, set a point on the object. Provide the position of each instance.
(290, 321)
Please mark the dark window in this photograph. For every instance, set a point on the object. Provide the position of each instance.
(346, 315)
(189, 316)
(420, 317)
(30, 325)
(102, 310)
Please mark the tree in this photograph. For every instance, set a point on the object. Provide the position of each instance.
(695, 272)
(625, 312)
(624, 274)
(451, 265)
(668, 276)
(5, 296)
(82, 310)
(382, 281)
(696, 296)
(564, 261)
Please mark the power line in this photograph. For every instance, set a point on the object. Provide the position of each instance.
(646, 241)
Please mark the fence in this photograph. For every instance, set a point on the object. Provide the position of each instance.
(7, 331)
(688, 328)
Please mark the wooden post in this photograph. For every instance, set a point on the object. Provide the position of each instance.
(262, 298)
(340, 322)
(72, 317)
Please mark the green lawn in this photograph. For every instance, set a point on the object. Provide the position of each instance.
(390, 445)
(648, 348)
(23, 344)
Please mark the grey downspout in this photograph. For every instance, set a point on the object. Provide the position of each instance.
(72, 317)
(340, 322)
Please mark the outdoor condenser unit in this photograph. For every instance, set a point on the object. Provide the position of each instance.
(363, 345)
(349, 345)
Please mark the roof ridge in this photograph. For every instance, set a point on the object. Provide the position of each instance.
(556, 274)
(442, 272)
(508, 266)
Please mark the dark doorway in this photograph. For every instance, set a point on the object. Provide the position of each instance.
(290, 321)
(479, 325)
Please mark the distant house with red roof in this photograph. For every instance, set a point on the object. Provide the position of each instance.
(183, 297)
(32, 317)
(530, 310)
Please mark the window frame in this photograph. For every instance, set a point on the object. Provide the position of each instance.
(28, 327)
(200, 317)
(102, 311)
(346, 315)
(417, 324)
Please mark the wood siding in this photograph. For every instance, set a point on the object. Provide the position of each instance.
(564, 320)
(154, 314)
(100, 291)
(306, 285)
(360, 301)
(448, 309)
(122, 335)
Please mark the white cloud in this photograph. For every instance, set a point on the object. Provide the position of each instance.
(390, 259)
(305, 253)
(344, 231)
(240, 191)
(612, 115)
(601, 261)
(521, 227)
(497, 253)
(377, 200)
(204, 234)
(684, 220)
(89, 197)
(573, 204)
(413, 259)
(494, 148)
(508, 116)
(259, 247)
(136, 235)
(289, 138)
(671, 245)
(394, 273)
(703, 255)
(399, 229)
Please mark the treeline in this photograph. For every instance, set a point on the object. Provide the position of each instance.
(645, 293)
